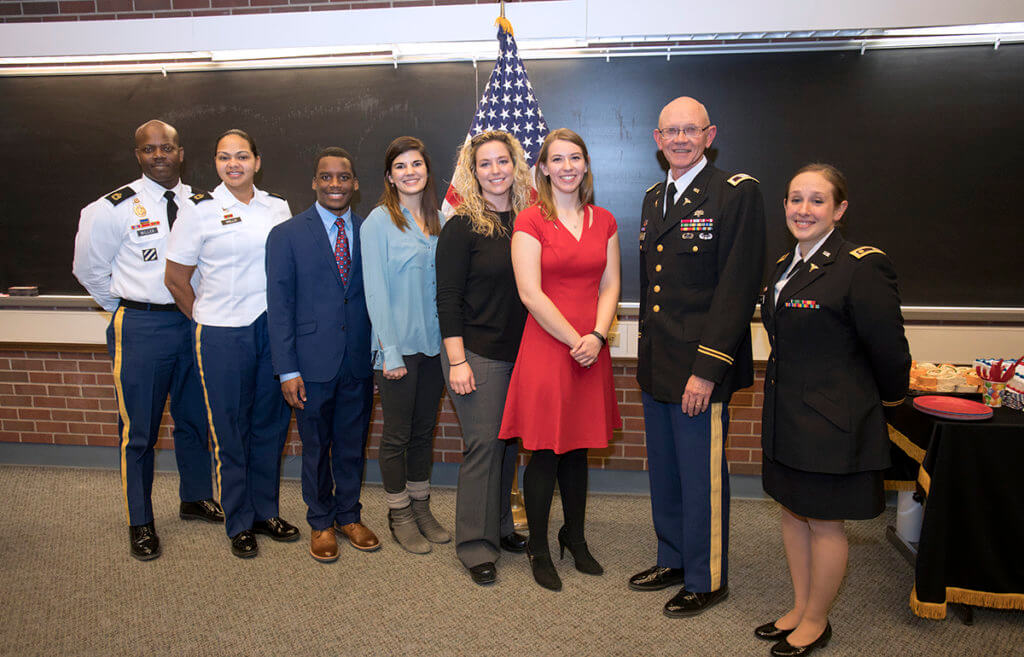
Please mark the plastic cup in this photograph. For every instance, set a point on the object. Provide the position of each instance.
(991, 393)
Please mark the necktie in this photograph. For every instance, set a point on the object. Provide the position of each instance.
(795, 270)
(172, 208)
(670, 197)
(341, 254)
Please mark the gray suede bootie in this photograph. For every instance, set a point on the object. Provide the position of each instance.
(427, 523)
(406, 531)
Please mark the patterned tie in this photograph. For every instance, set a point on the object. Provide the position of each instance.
(172, 208)
(341, 254)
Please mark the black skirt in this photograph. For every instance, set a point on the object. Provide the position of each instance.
(823, 496)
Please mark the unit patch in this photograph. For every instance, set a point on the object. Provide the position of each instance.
(149, 255)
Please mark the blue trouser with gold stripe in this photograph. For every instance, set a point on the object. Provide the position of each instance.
(248, 419)
(152, 356)
(689, 490)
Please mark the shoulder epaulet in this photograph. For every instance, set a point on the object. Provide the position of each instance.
(276, 195)
(199, 197)
(120, 195)
(862, 251)
(783, 257)
(740, 177)
(648, 190)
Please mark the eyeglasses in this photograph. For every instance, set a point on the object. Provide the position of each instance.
(690, 131)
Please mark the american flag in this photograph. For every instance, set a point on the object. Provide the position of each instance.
(508, 104)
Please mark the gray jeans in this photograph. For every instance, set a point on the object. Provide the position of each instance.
(483, 509)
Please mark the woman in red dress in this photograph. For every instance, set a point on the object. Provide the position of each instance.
(561, 400)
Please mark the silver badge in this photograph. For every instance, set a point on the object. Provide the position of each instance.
(706, 236)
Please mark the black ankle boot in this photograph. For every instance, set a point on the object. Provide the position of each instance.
(544, 572)
(585, 562)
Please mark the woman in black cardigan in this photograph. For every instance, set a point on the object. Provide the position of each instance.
(839, 355)
(482, 322)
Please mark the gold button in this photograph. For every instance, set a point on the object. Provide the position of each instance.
(661, 247)
(695, 249)
(657, 288)
(656, 308)
(657, 267)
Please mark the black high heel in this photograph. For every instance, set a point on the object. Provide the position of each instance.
(544, 572)
(585, 562)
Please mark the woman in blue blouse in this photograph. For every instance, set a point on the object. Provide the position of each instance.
(399, 241)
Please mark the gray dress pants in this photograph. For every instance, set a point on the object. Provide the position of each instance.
(483, 508)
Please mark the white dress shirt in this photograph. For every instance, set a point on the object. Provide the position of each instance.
(683, 181)
(781, 283)
(121, 243)
(226, 240)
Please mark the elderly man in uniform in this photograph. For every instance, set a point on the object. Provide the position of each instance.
(119, 259)
(701, 262)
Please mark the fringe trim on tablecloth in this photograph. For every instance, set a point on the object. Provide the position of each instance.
(937, 610)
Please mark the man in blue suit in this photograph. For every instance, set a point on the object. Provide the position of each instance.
(320, 346)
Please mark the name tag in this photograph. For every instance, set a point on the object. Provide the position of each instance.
(145, 231)
(230, 220)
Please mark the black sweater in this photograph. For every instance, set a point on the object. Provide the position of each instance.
(476, 289)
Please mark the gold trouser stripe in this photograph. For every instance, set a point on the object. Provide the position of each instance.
(206, 399)
(717, 453)
(714, 353)
(126, 422)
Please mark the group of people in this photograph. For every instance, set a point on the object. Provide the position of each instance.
(244, 313)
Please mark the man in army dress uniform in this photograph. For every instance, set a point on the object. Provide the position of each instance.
(119, 258)
(701, 262)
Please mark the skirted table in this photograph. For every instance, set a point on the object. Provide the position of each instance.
(971, 549)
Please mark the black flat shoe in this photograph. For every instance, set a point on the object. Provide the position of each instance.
(484, 573)
(769, 632)
(143, 543)
(243, 544)
(656, 578)
(514, 542)
(691, 603)
(277, 528)
(206, 510)
(544, 572)
(585, 562)
(785, 649)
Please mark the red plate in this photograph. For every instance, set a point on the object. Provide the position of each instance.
(952, 408)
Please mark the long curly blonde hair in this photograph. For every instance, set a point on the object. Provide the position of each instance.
(483, 218)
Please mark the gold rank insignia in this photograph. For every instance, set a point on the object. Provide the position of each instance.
(120, 195)
(200, 197)
(782, 257)
(862, 251)
(740, 177)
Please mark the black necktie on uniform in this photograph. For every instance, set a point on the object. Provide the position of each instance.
(670, 197)
(172, 208)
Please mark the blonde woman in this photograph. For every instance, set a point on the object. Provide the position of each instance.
(399, 241)
(561, 400)
(482, 321)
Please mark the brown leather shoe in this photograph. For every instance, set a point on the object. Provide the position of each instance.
(360, 536)
(323, 546)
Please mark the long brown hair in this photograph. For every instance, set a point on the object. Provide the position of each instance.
(483, 219)
(389, 197)
(545, 197)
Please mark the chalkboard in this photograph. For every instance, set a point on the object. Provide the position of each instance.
(929, 139)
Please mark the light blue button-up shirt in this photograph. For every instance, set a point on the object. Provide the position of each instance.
(329, 218)
(401, 288)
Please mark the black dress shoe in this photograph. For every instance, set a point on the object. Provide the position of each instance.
(585, 562)
(207, 510)
(143, 542)
(656, 579)
(785, 649)
(514, 542)
(690, 603)
(544, 572)
(484, 573)
(243, 544)
(769, 632)
(277, 528)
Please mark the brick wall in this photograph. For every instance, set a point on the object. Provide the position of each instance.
(36, 11)
(66, 397)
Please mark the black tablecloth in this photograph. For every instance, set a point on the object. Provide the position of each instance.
(971, 549)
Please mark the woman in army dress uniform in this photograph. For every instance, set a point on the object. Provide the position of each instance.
(839, 354)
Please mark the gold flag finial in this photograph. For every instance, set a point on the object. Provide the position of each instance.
(502, 22)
